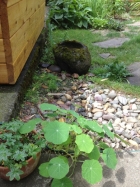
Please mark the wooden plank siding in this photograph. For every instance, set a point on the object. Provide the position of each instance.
(3, 74)
(35, 25)
(0, 30)
(2, 52)
(21, 22)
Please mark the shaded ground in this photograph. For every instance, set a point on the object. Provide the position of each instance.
(126, 174)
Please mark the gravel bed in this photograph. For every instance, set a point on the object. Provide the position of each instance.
(97, 103)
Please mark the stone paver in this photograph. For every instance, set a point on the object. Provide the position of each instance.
(111, 43)
(134, 69)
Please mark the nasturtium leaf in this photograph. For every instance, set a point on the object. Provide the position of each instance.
(82, 121)
(47, 106)
(69, 140)
(92, 171)
(62, 111)
(95, 153)
(109, 157)
(108, 132)
(29, 126)
(103, 145)
(73, 113)
(63, 158)
(93, 126)
(65, 182)
(110, 125)
(43, 169)
(84, 143)
(58, 168)
(56, 132)
(76, 129)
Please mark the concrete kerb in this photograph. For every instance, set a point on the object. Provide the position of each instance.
(12, 95)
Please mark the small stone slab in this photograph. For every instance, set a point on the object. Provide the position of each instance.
(134, 66)
(135, 72)
(136, 24)
(104, 55)
(111, 43)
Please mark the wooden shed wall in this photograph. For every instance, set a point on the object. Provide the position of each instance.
(21, 22)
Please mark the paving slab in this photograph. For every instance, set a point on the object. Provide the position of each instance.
(111, 43)
(134, 69)
(104, 55)
(126, 174)
(135, 24)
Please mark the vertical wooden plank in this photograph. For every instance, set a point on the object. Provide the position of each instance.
(3, 74)
(0, 29)
(24, 23)
(33, 32)
(4, 19)
(2, 52)
(26, 32)
(27, 9)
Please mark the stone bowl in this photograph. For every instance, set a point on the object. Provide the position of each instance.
(72, 56)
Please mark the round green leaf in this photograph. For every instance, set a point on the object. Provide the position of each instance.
(58, 168)
(63, 158)
(73, 113)
(76, 129)
(95, 153)
(92, 171)
(108, 132)
(84, 143)
(29, 126)
(109, 157)
(82, 121)
(47, 106)
(65, 182)
(43, 169)
(93, 126)
(56, 132)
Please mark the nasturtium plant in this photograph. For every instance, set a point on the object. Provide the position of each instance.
(56, 132)
(29, 126)
(84, 143)
(48, 107)
(43, 169)
(58, 168)
(65, 182)
(95, 153)
(109, 157)
(92, 171)
(69, 136)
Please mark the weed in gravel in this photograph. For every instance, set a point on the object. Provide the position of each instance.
(42, 84)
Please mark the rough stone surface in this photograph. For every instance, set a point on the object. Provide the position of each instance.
(104, 55)
(111, 43)
(72, 56)
(135, 72)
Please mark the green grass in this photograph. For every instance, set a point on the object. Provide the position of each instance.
(128, 53)
(44, 82)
